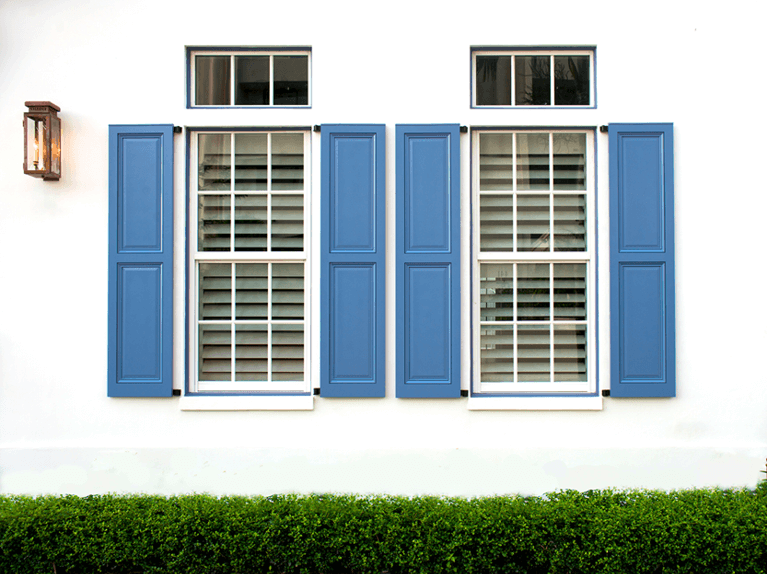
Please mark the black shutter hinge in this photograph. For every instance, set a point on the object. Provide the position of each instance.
(605, 392)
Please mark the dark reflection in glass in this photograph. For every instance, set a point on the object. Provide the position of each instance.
(291, 80)
(493, 80)
(213, 80)
(571, 80)
(532, 80)
(252, 80)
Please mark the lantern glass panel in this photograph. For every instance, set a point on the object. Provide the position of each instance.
(55, 146)
(35, 144)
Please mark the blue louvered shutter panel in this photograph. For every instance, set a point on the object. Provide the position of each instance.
(140, 337)
(642, 260)
(428, 261)
(353, 282)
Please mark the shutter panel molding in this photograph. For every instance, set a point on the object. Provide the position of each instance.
(428, 261)
(140, 339)
(353, 282)
(643, 351)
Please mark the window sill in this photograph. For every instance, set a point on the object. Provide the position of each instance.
(535, 404)
(247, 403)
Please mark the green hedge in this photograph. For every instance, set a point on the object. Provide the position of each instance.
(696, 531)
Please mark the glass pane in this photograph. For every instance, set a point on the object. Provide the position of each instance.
(569, 223)
(36, 132)
(56, 145)
(496, 223)
(496, 292)
(213, 79)
(214, 162)
(215, 291)
(215, 350)
(569, 161)
(291, 80)
(250, 222)
(496, 348)
(288, 353)
(534, 353)
(287, 291)
(533, 161)
(493, 80)
(570, 291)
(287, 161)
(251, 352)
(571, 80)
(287, 222)
(533, 291)
(495, 162)
(250, 161)
(214, 222)
(532, 80)
(252, 290)
(533, 222)
(570, 353)
(251, 80)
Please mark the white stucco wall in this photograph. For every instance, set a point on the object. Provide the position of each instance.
(404, 62)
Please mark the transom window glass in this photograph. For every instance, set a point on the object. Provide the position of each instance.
(533, 78)
(250, 261)
(249, 78)
(533, 253)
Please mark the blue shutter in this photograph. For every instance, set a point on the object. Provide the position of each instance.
(353, 282)
(428, 261)
(642, 260)
(140, 337)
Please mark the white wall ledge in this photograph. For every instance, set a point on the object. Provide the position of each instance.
(247, 403)
(535, 404)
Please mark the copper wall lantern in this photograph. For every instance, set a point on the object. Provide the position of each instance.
(42, 140)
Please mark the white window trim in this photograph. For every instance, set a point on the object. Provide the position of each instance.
(513, 52)
(528, 396)
(271, 52)
(255, 395)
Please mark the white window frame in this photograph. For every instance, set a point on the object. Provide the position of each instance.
(514, 52)
(196, 257)
(271, 52)
(545, 390)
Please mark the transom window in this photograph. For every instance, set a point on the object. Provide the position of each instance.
(250, 261)
(514, 78)
(533, 252)
(249, 78)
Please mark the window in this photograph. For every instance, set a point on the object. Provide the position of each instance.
(249, 254)
(533, 197)
(516, 78)
(253, 77)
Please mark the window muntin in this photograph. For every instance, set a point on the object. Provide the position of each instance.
(250, 78)
(533, 261)
(250, 292)
(545, 78)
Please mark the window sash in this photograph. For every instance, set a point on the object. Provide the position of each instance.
(505, 353)
(513, 54)
(232, 88)
(269, 345)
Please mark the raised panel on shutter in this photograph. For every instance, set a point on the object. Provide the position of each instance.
(352, 282)
(643, 353)
(428, 261)
(140, 338)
